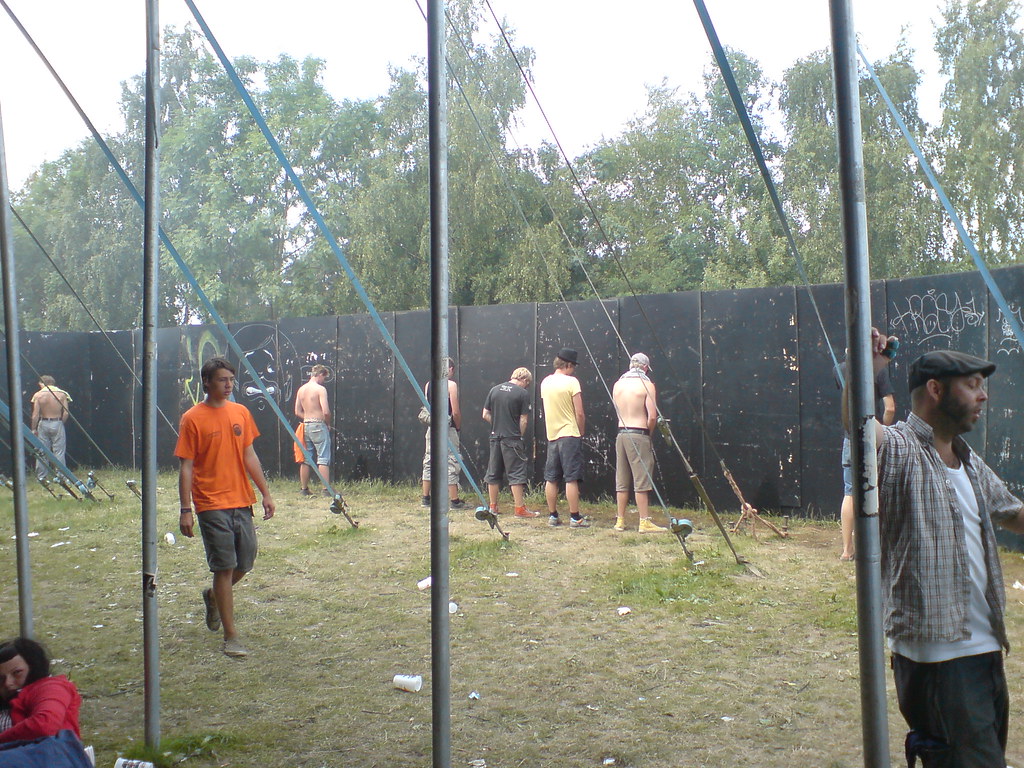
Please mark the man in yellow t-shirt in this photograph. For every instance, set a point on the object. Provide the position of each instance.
(565, 424)
(217, 461)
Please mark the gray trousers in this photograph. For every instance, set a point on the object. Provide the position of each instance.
(51, 434)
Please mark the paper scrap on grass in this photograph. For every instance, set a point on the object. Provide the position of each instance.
(624, 610)
(1018, 585)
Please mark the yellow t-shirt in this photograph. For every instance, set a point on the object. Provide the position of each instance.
(557, 392)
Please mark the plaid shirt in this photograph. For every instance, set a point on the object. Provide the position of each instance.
(925, 573)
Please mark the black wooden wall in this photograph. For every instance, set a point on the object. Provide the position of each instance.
(744, 377)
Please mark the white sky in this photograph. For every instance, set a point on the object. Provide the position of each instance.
(593, 61)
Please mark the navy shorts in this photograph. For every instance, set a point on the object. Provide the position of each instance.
(565, 460)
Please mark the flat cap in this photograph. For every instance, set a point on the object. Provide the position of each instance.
(945, 363)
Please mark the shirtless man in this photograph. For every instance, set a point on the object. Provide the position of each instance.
(311, 406)
(49, 412)
(635, 399)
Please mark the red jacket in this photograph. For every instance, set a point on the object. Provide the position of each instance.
(43, 708)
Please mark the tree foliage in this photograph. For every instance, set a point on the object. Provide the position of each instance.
(674, 202)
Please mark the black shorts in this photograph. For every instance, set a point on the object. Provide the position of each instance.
(508, 456)
(565, 460)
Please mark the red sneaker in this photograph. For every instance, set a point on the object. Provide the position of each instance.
(524, 512)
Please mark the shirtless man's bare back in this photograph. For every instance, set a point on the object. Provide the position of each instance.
(311, 406)
(49, 412)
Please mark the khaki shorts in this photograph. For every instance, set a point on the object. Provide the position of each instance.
(634, 462)
(453, 463)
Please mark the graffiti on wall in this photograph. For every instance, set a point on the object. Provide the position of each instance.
(268, 351)
(1008, 343)
(935, 315)
(197, 351)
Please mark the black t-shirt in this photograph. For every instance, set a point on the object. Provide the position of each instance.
(883, 388)
(507, 402)
(451, 421)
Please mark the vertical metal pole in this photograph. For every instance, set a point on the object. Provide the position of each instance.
(14, 393)
(874, 722)
(150, 257)
(439, 556)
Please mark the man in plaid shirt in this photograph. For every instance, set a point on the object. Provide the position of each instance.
(942, 584)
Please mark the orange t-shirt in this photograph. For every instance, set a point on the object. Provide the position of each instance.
(215, 439)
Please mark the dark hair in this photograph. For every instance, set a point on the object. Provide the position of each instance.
(32, 652)
(213, 365)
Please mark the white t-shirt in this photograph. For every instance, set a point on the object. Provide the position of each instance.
(979, 615)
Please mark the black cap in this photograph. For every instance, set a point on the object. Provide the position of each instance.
(569, 355)
(945, 363)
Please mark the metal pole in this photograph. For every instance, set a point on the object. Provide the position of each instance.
(14, 392)
(439, 555)
(874, 722)
(150, 257)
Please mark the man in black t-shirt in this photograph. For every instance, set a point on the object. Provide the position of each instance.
(507, 409)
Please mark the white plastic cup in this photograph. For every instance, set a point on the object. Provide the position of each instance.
(126, 763)
(410, 683)
(425, 583)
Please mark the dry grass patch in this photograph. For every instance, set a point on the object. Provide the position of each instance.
(711, 666)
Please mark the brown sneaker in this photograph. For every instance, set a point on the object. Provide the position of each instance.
(233, 647)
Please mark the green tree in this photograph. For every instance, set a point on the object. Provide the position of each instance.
(904, 222)
(982, 132)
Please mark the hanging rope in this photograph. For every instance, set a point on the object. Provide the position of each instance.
(314, 211)
(92, 317)
(36, 446)
(965, 238)
(339, 505)
(663, 424)
(613, 253)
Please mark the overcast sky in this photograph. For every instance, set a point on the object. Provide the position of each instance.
(593, 59)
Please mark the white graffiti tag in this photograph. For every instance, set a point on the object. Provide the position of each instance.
(1008, 342)
(936, 315)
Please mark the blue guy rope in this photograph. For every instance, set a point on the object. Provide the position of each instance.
(986, 275)
(319, 219)
(186, 272)
(755, 147)
(38, 447)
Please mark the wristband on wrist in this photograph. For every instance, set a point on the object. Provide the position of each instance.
(186, 510)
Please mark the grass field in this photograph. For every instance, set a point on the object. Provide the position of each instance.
(712, 666)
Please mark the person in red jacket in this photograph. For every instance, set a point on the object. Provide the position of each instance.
(41, 704)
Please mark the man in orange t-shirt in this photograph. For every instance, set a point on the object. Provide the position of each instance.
(217, 460)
